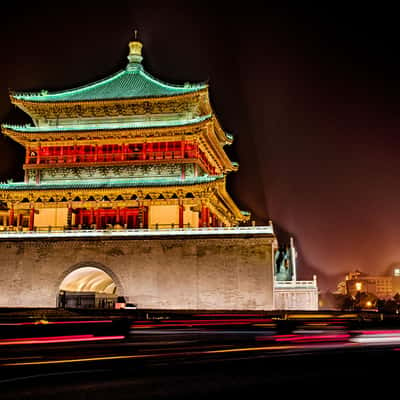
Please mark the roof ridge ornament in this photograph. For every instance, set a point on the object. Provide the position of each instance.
(135, 54)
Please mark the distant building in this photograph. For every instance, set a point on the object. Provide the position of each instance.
(383, 287)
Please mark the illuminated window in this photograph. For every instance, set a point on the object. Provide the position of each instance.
(358, 286)
(396, 272)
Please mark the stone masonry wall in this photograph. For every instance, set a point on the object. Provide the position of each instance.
(180, 273)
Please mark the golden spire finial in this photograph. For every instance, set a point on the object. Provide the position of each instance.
(135, 50)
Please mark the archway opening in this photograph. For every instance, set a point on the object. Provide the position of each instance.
(88, 287)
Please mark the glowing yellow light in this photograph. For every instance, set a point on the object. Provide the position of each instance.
(301, 316)
(368, 304)
(358, 286)
(250, 349)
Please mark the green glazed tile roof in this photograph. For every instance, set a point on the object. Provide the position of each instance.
(111, 184)
(125, 84)
(106, 126)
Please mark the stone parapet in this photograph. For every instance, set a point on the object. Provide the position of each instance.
(162, 269)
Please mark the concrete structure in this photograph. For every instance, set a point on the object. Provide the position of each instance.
(296, 295)
(289, 293)
(215, 268)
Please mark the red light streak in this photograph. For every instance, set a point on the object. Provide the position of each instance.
(191, 323)
(311, 338)
(389, 332)
(230, 315)
(56, 339)
(54, 322)
(221, 321)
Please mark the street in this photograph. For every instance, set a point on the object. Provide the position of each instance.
(197, 363)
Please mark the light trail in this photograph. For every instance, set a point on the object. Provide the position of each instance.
(45, 322)
(143, 356)
(57, 339)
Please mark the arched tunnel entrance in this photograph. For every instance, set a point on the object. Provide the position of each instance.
(88, 287)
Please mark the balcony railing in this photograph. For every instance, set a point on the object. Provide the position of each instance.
(44, 232)
(149, 157)
(295, 284)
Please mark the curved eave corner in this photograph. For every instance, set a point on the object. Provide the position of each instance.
(246, 215)
(223, 137)
(5, 130)
(240, 217)
(235, 165)
(14, 135)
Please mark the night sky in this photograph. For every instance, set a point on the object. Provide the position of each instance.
(311, 96)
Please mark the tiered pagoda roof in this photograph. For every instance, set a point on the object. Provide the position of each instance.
(128, 108)
(126, 84)
(154, 182)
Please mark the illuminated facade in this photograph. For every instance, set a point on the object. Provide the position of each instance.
(125, 196)
(383, 287)
(128, 151)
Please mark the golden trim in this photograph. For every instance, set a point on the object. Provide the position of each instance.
(112, 107)
(210, 193)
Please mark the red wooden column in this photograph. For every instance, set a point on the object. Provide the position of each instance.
(61, 155)
(31, 218)
(181, 210)
(207, 217)
(39, 150)
(11, 216)
(74, 153)
(122, 217)
(98, 219)
(80, 216)
(204, 213)
(123, 151)
(91, 216)
(118, 216)
(144, 151)
(182, 149)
